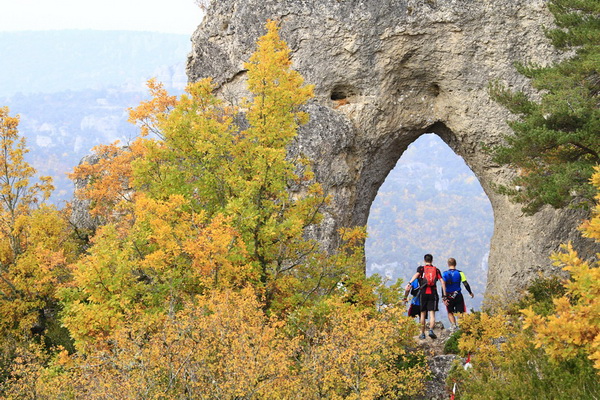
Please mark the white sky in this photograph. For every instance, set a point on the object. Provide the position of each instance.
(170, 16)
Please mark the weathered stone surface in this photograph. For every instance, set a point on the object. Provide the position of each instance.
(81, 218)
(404, 68)
(440, 367)
(439, 363)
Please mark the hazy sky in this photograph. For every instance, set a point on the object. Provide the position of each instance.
(172, 16)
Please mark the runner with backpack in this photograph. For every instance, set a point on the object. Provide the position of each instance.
(455, 302)
(414, 309)
(428, 276)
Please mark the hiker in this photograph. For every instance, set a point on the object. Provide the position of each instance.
(455, 302)
(428, 276)
(414, 310)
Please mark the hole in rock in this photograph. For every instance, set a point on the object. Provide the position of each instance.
(338, 95)
(341, 92)
(431, 202)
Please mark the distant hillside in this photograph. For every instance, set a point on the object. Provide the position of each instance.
(55, 61)
(431, 202)
(72, 89)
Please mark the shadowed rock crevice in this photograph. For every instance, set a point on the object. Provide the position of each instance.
(386, 72)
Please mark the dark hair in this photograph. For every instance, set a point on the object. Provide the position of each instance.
(452, 261)
(428, 258)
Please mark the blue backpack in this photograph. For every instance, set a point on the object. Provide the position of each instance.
(453, 274)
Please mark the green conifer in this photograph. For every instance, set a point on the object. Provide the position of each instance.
(556, 140)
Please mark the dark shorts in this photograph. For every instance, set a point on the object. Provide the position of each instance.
(414, 310)
(429, 302)
(456, 304)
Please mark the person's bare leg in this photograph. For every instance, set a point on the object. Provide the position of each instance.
(432, 324)
(452, 319)
(431, 319)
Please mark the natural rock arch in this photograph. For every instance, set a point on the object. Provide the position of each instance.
(386, 72)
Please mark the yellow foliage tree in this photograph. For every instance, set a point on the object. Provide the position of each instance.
(34, 239)
(554, 356)
(169, 252)
(575, 326)
(164, 193)
(350, 353)
(219, 345)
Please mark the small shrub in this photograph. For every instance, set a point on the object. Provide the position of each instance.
(540, 295)
(451, 345)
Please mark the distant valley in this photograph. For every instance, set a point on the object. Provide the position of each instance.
(72, 89)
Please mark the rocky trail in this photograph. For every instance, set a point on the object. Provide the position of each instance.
(439, 362)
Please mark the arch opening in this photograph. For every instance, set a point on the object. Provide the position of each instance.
(430, 202)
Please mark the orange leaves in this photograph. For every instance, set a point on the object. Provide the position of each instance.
(168, 252)
(149, 114)
(208, 250)
(219, 253)
(107, 180)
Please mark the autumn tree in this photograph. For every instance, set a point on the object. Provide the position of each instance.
(199, 158)
(218, 345)
(349, 352)
(127, 274)
(574, 328)
(35, 248)
(32, 234)
(507, 364)
(555, 142)
(553, 351)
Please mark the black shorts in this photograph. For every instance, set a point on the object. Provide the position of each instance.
(429, 302)
(414, 310)
(456, 304)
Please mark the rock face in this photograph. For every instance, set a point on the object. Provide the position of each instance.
(386, 72)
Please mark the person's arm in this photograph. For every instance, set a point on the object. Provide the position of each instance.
(443, 288)
(415, 276)
(468, 288)
(409, 285)
(443, 284)
(463, 278)
(407, 291)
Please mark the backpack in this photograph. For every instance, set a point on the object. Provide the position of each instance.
(429, 275)
(415, 288)
(451, 274)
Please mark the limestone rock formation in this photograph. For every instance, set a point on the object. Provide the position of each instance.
(386, 72)
(81, 218)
